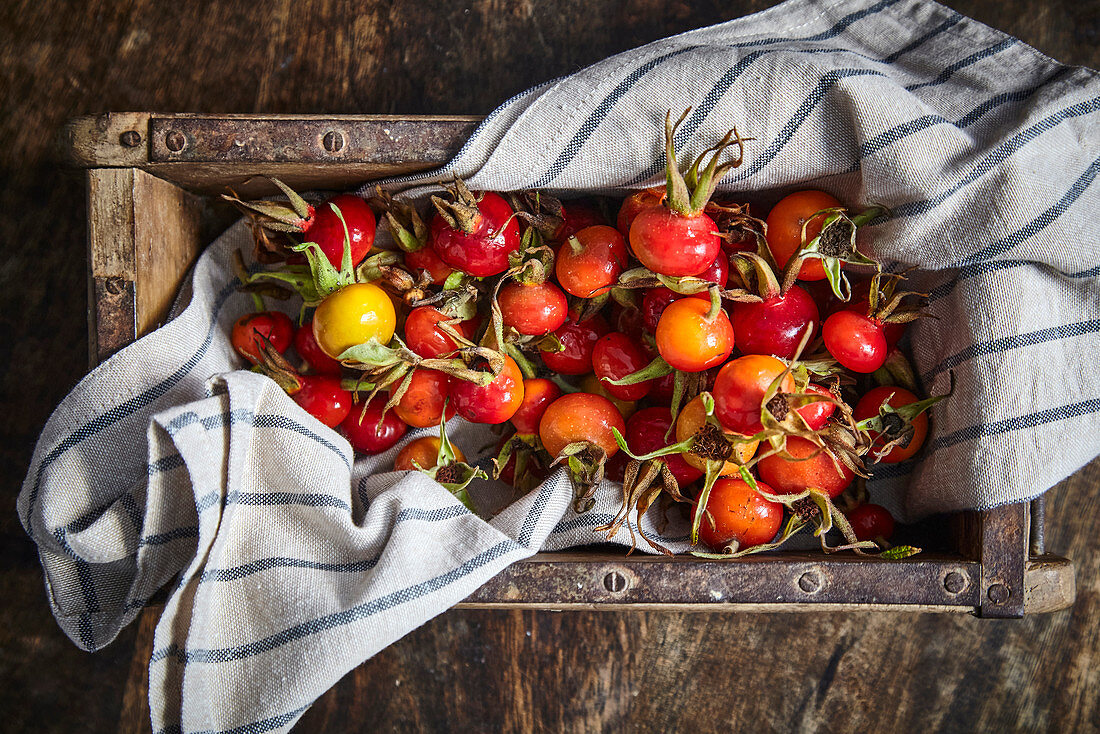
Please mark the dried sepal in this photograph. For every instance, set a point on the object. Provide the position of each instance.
(835, 245)
(688, 193)
(539, 211)
(460, 212)
(293, 216)
(404, 221)
(453, 474)
(585, 461)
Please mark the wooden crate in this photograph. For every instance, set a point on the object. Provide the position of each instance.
(153, 181)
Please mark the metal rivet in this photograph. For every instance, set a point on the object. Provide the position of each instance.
(954, 582)
(130, 139)
(333, 141)
(810, 582)
(615, 582)
(115, 285)
(175, 140)
(998, 593)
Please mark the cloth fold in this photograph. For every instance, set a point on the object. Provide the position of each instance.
(292, 562)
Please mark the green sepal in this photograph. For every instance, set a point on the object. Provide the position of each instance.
(898, 552)
(655, 369)
(676, 448)
(906, 412)
(372, 353)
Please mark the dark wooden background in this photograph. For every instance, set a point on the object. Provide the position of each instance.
(469, 670)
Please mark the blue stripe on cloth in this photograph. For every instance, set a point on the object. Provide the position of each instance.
(589, 126)
(1041, 222)
(921, 40)
(131, 406)
(276, 499)
(266, 420)
(992, 266)
(527, 530)
(999, 155)
(281, 421)
(169, 536)
(949, 72)
(1014, 341)
(255, 727)
(218, 421)
(409, 514)
(164, 464)
(1030, 420)
(826, 83)
(338, 619)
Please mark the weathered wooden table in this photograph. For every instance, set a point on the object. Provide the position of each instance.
(470, 669)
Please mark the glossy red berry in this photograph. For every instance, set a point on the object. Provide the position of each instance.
(308, 349)
(654, 303)
(578, 340)
(485, 250)
(534, 309)
(369, 436)
(670, 243)
(809, 467)
(328, 231)
(776, 325)
(871, 522)
(538, 393)
(645, 433)
(689, 340)
(855, 340)
(737, 512)
(322, 397)
(740, 388)
(579, 417)
(422, 404)
(423, 335)
(426, 260)
(493, 403)
(615, 356)
(253, 329)
(590, 261)
(817, 414)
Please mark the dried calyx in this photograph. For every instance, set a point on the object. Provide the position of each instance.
(405, 223)
(460, 212)
(688, 193)
(735, 224)
(453, 474)
(835, 245)
(884, 300)
(585, 461)
(293, 216)
(538, 210)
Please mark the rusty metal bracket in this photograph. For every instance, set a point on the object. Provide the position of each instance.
(316, 140)
(1004, 551)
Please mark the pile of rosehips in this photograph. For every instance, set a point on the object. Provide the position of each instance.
(746, 368)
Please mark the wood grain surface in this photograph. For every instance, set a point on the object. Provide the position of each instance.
(468, 670)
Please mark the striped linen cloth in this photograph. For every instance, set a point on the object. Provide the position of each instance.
(289, 562)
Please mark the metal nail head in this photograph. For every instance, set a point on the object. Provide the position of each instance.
(115, 285)
(810, 582)
(614, 582)
(175, 140)
(954, 582)
(998, 593)
(130, 139)
(333, 141)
